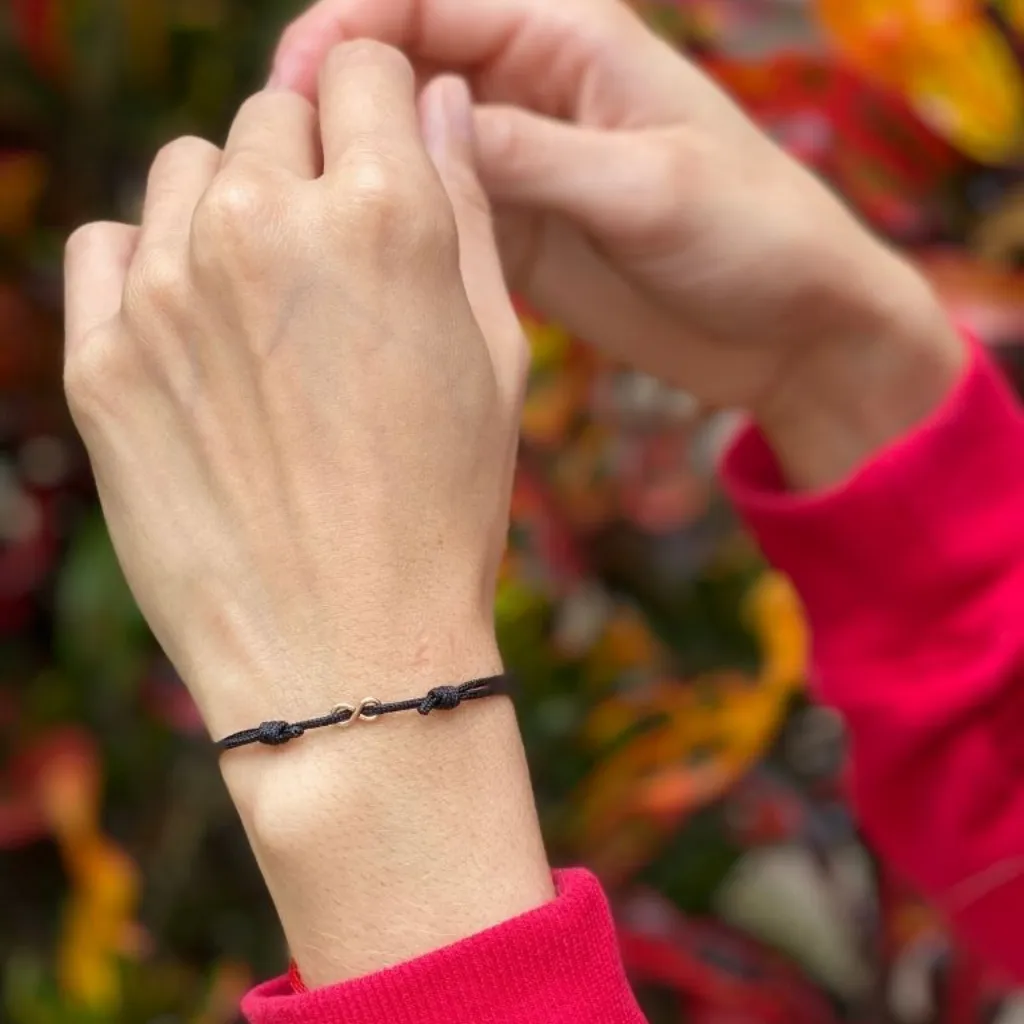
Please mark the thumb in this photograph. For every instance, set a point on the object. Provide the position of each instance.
(446, 110)
(611, 183)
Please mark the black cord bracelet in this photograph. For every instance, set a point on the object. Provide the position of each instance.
(441, 698)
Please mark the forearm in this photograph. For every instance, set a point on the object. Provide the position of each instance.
(398, 837)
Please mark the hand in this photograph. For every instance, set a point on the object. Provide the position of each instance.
(642, 208)
(302, 416)
(302, 434)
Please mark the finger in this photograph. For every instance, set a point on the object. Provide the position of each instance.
(447, 112)
(529, 52)
(181, 173)
(96, 262)
(604, 181)
(277, 129)
(368, 102)
(566, 280)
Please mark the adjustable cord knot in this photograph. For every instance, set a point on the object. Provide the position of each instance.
(275, 734)
(441, 698)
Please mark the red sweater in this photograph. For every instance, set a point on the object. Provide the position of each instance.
(912, 573)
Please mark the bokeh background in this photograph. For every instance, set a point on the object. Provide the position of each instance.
(673, 745)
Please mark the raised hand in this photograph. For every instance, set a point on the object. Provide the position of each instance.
(640, 206)
(299, 383)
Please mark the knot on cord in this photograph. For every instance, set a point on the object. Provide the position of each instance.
(369, 709)
(274, 734)
(441, 698)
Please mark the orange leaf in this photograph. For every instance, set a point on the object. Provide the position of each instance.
(98, 923)
(774, 611)
(955, 67)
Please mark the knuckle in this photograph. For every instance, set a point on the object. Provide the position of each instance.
(94, 372)
(237, 221)
(376, 182)
(232, 204)
(661, 163)
(394, 209)
(679, 155)
(389, 204)
(157, 284)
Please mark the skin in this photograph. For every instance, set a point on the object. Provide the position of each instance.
(299, 381)
(302, 416)
(643, 210)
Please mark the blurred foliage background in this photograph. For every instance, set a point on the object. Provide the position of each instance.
(673, 747)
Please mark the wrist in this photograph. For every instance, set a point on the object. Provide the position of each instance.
(262, 779)
(385, 841)
(850, 394)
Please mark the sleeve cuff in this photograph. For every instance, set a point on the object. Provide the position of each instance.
(558, 962)
(933, 512)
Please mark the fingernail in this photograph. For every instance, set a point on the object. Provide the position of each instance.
(459, 101)
(434, 121)
(448, 115)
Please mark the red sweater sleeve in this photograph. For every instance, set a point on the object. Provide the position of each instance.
(912, 573)
(555, 964)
